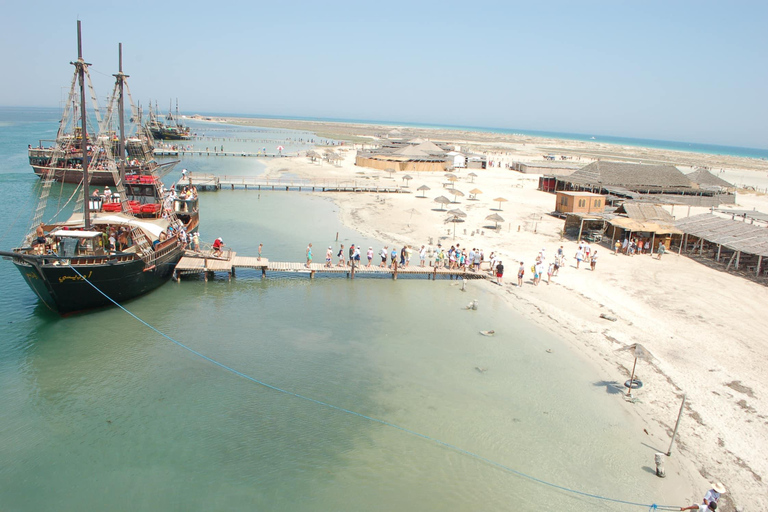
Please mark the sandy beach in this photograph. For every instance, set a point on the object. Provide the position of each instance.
(703, 326)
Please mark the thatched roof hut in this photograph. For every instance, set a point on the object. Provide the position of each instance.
(634, 177)
(706, 179)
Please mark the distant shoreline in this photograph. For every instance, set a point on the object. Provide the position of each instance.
(516, 145)
(665, 145)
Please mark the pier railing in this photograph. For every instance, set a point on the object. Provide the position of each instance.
(214, 181)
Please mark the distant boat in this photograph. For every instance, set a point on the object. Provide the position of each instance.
(68, 164)
(592, 138)
(172, 129)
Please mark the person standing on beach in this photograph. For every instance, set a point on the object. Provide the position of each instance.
(713, 495)
(579, 257)
(499, 273)
(383, 254)
(550, 271)
(309, 254)
(520, 274)
(616, 248)
(661, 251)
(593, 261)
(341, 256)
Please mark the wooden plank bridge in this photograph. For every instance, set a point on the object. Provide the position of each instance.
(197, 152)
(208, 182)
(197, 263)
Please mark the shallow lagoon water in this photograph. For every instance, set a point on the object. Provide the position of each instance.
(100, 412)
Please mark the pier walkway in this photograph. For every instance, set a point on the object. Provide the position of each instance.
(197, 263)
(197, 152)
(209, 182)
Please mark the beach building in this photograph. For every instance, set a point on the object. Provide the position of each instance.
(579, 201)
(477, 161)
(649, 223)
(415, 155)
(456, 159)
(733, 242)
(660, 183)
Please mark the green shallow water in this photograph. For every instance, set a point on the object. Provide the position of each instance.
(99, 412)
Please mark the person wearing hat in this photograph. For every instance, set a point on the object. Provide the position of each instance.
(328, 256)
(713, 495)
(383, 254)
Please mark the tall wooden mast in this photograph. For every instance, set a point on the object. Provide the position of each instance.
(121, 111)
(80, 67)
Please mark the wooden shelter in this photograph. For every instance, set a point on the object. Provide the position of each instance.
(741, 244)
(622, 181)
(421, 155)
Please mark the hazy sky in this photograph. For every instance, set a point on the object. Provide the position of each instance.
(690, 71)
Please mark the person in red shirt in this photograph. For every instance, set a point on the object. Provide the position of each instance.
(217, 245)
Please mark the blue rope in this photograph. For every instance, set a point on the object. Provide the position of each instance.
(376, 420)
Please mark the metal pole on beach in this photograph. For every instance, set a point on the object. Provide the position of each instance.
(677, 425)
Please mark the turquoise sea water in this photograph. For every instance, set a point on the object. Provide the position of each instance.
(99, 412)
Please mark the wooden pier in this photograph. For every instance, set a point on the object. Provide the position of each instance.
(209, 266)
(213, 182)
(197, 152)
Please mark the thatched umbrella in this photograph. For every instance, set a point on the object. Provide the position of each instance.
(456, 193)
(443, 201)
(450, 175)
(390, 171)
(406, 178)
(411, 211)
(639, 352)
(453, 180)
(495, 217)
(473, 193)
(499, 200)
(423, 189)
(455, 216)
(313, 155)
(473, 176)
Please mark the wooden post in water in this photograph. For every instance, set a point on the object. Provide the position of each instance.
(394, 270)
(352, 274)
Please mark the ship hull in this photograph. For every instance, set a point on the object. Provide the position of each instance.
(169, 135)
(97, 177)
(61, 289)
